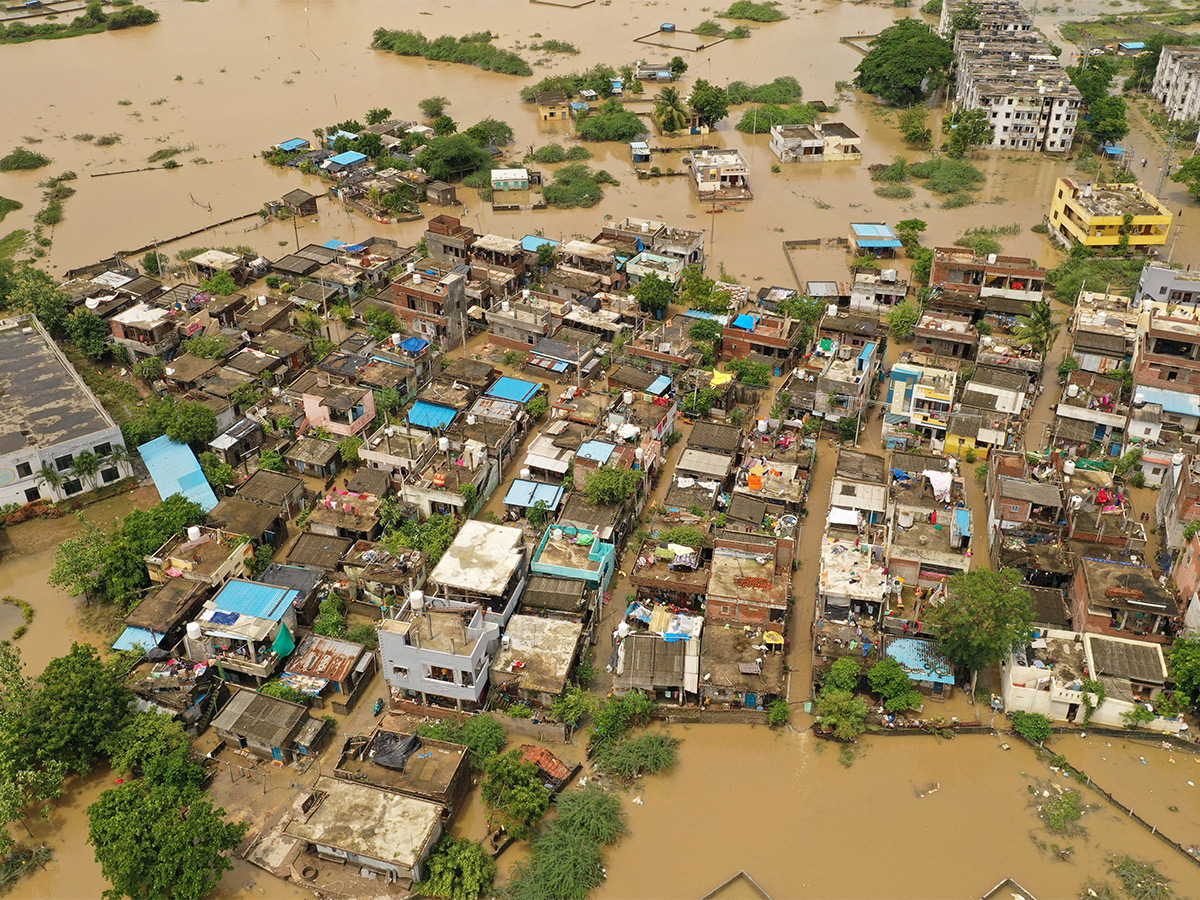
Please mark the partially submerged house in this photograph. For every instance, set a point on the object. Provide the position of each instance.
(535, 659)
(268, 727)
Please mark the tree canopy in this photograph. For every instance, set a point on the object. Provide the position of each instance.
(515, 792)
(608, 486)
(654, 294)
(710, 102)
(458, 869)
(986, 615)
(966, 130)
(452, 156)
(905, 63)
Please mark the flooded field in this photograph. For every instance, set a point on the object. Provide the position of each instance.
(221, 81)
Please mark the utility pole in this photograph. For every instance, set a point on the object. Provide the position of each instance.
(1168, 159)
(296, 231)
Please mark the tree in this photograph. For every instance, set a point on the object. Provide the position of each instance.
(515, 792)
(150, 369)
(964, 18)
(49, 476)
(1034, 726)
(86, 466)
(698, 291)
(670, 112)
(191, 423)
(35, 292)
(208, 346)
(155, 839)
(143, 737)
(843, 675)
(845, 713)
(710, 103)
(217, 472)
(457, 869)
(902, 319)
(609, 486)
(547, 256)
(444, 125)
(272, 461)
(654, 294)
(593, 813)
(348, 449)
(89, 333)
(889, 680)
(914, 126)
(1040, 328)
(611, 122)
(1188, 174)
(706, 330)
(378, 115)
(1093, 78)
(491, 131)
(573, 704)
(905, 62)
(369, 144)
(433, 107)
(483, 736)
(909, 231)
(537, 407)
(1185, 666)
(1145, 64)
(985, 616)
(968, 129)
(452, 156)
(677, 67)
(221, 284)
(1105, 120)
(76, 703)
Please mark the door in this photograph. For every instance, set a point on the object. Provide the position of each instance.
(751, 701)
(277, 753)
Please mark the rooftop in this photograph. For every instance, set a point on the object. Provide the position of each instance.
(324, 657)
(539, 654)
(427, 770)
(671, 566)
(267, 486)
(318, 550)
(921, 659)
(1116, 200)
(482, 558)
(740, 574)
(729, 660)
(253, 715)
(850, 571)
(369, 821)
(1115, 585)
(44, 402)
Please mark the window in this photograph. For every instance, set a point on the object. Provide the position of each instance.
(24, 470)
(1157, 470)
(468, 678)
(32, 494)
(1147, 430)
(110, 474)
(724, 610)
(63, 463)
(400, 671)
(102, 449)
(1014, 508)
(72, 486)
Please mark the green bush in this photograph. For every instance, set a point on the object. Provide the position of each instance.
(778, 712)
(843, 676)
(618, 715)
(783, 90)
(472, 50)
(612, 122)
(22, 160)
(649, 754)
(283, 692)
(761, 119)
(944, 175)
(1033, 726)
(894, 192)
(753, 12)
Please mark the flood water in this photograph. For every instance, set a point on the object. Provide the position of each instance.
(225, 80)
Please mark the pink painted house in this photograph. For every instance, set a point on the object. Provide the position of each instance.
(343, 410)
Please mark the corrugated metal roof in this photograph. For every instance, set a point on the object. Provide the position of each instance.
(597, 451)
(249, 598)
(176, 470)
(430, 415)
(528, 493)
(514, 389)
(319, 656)
(133, 638)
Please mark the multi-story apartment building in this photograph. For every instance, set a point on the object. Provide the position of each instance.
(1177, 82)
(431, 300)
(919, 399)
(1101, 215)
(1166, 286)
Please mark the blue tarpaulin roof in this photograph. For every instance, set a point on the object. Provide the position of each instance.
(659, 385)
(249, 598)
(293, 144)
(334, 244)
(962, 518)
(597, 451)
(137, 639)
(921, 660)
(430, 415)
(1132, 45)
(532, 241)
(745, 321)
(1171, 401)
(527, 493)
(514, 389)
(349, 158)
(355, 248)
(414, 345)
(701, 314)
(176, 470)
(874, 234)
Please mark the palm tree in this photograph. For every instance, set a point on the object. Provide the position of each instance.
(48, 476)
(1040, 328)
(86, 466)
(670, 113)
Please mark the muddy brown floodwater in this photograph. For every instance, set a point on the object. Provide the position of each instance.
(223, 80)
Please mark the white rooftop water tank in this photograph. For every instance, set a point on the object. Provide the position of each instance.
(831, 309)
(1177, 459)
(416, 600)
(1069, 467)
(526, 473)
(397, 337)
(193, 631)
(623, 629)
(1072, 390)
(443, 444)
(991, 259)
(1139, 399)
(505, 305)
(762, 426)
(416, 277)
(471, 420)
(193, 532)
(627, 397)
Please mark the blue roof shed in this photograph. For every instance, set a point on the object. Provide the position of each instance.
(597, 451)
(293, 145)
(176, 470)
(531, 242)
(921, 660)
(349, 158)
(525, 494)
(514, 389)
(430, 415)
(744, 321)
(250, 598)
(134, 638)
(874, 235)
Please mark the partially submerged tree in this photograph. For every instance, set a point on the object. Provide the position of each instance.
(905, 62)
(985, 616)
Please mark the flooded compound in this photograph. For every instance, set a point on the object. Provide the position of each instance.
(220, 94)
(909, 817)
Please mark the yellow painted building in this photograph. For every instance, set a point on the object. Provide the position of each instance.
(1096, 215)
